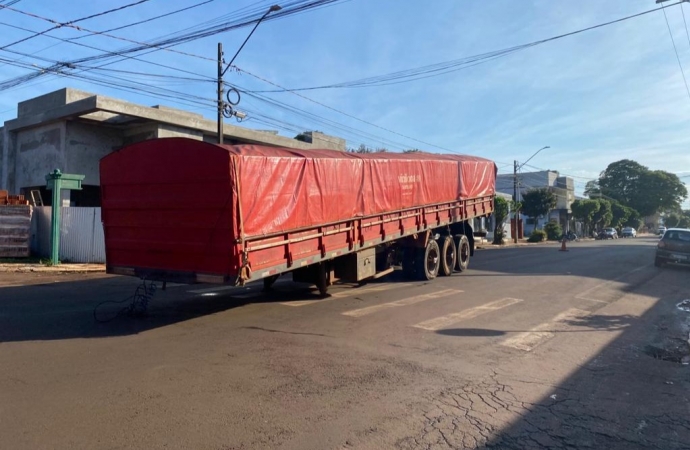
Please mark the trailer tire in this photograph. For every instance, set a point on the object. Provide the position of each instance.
(462, 253)
(428, 261)
(448, 256)
(408, 262)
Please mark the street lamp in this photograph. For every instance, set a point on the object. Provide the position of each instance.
(516, 167)
(225, 108)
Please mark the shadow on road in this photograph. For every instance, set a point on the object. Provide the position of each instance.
(65, 310)
(585, 324)
(632, 394)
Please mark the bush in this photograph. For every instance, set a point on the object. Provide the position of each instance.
(553, 230)
(537, 236)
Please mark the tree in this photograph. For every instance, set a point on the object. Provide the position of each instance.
(647, 191)
(685, 219)
(602, 218)
(592, 189)
(412, 150)
(634, 220)
(538, 202)
(584, 210)
(619, 214)
(672, 219)
(501, 211)
(361, 149)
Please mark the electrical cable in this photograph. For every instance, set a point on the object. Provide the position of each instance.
(150, 19)
(673, 41)
(70, 23)
(457, 64)
(344, 113)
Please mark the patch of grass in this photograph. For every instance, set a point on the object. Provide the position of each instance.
(30, 260)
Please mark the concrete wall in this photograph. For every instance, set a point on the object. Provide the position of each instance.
(52, 100)
(85, 145)
(165, 131)
(38, 151)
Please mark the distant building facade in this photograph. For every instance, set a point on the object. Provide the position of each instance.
(562, 187)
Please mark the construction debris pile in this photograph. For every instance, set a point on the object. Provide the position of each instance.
(15, 226)
(7, 199)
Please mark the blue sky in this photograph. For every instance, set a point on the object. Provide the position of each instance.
(594, 98)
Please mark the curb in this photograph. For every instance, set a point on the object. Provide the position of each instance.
(62, 268)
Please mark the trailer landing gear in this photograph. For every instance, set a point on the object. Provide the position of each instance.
(269, 281)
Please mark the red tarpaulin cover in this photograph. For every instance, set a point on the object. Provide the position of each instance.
(283, 189)
(178, 195)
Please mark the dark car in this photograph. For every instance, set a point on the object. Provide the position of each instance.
(674, 247)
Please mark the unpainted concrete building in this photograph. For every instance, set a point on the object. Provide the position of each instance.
(72, 130)
(562, 187)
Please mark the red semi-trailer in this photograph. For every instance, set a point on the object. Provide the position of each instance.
(187, 211)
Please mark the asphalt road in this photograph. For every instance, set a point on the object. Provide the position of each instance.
(530, 348)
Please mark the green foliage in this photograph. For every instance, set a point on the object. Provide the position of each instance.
(647, 191)
(412, 150)
(620, 214)
(671, 220)
(592, 189)
(537, 236)
(553, 231)
(501, 211)
(684, 221)
(364, 149)
(602, 218)
(584, 210)
(538, 202)
(634, 220)
(303, 137)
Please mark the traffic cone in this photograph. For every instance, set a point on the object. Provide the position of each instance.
(563, 249)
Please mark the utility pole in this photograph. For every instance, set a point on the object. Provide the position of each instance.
(220, 93)
(225, 107)
(515, 199)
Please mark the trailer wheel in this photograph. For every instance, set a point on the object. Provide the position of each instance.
(448, 256)
(408, 262)
(428, 261)
(463, 252)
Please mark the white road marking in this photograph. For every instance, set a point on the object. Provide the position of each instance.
(529, 340)
(351, 292)
(450, 319)
(404, 302)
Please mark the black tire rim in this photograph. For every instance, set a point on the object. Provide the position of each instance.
(464, 252)
(432, 260)
(450, 256)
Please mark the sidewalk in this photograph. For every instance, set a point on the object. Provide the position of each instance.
(20, 267)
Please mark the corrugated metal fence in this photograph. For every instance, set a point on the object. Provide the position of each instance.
(81, 234)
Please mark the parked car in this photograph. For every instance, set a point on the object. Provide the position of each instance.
(661, 231)
(628, 232)
(610, 233)
(674, 247)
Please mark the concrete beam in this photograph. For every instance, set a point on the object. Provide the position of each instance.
(71, 110)
(196, 122)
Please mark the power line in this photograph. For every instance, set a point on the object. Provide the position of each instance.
(457, 64)
(673, 41)
(344, 113)
(150, 19)
(70, 23)
(687, 33)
